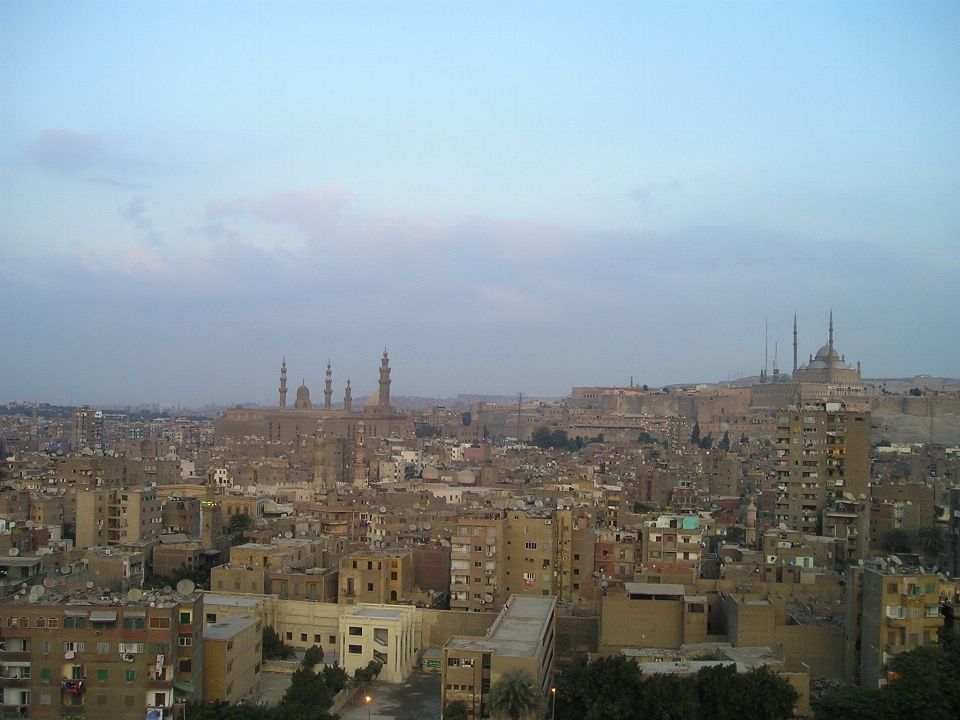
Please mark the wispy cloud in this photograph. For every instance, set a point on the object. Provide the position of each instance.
(91, 158)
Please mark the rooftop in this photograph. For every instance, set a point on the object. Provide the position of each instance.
(228, 627)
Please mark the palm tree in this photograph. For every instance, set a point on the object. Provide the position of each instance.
(931, 539)
(516, 696)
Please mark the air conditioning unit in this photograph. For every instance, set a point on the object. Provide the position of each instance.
(127, 657)
(548, 522)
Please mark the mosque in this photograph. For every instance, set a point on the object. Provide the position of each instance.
(825, 377)
(377, 418)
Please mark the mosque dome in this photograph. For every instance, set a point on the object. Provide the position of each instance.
(303, 398)
(466, 477)
(430, 473)
(372, 401)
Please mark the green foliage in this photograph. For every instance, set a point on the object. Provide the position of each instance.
(239, 524)
(466, 418)
(614, 688)
(273, 647)
(309, 689)
(544, 438)
(744, 440)
(926, 685)
(724, 443)
(425, 430)
(695, 434)
(313, 656)
(646, 438)
(916, 392)
(896, 541)
(706, 442)
(200, 578)
(931, 539)
(639, 507)
(735, 535)
(455, 711)
(368, 673)
(516, 696)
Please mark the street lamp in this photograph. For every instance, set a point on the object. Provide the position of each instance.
(553, 704)
(367, 699)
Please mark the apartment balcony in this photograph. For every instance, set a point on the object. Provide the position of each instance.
(15, 712)
(896, 622)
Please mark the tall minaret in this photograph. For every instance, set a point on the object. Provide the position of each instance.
(328, 388)
(347, 398)
(283, 385)
(384, 381)
(831, 331)
(361, 473)
(794, 344)
(319, 457)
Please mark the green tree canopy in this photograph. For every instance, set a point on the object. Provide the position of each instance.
(273, 647)
(516, 696)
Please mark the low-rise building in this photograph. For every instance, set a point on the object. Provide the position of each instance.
(385, 633)
(233, 654)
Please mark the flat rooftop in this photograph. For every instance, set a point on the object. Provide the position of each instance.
(515, 632)
(228, 627)
(223, 600)
(374, 612)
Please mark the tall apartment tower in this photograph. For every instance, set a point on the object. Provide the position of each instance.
(822, 455)
(87, 428)
(477, 561)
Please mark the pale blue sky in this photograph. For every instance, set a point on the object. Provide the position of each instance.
(509, 196)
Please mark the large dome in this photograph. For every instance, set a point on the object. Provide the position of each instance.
(303, 398)
(827, 353)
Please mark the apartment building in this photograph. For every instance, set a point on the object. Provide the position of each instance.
(232, 654)
(477, 562)
(376, 576)
(522, 637)
(84, 653)
(109, 517)
(385, 633)
(821, 452)
(890, 610)
(531, 553)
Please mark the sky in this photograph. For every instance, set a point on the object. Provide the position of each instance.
(508, 197)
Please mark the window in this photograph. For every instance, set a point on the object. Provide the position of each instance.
(159, 623)
(393, 575)
(316, 639)
(130, 648)
(46, 674)
(303, 637)
(46, 698)
(129, 675)
(229, 667)
(54, 623)
(530, 546)
(230, 643)
(46, 648)
(369, 587)
(158, 648)
(101, 674)
(186, 618)
(290, 636)
(211, 617)
(355, 649)
(356, 631)
(41, 622)
(74, 646)
(453, 662)
(68, 623)
(186, 665)
(186, 640)
(103, 647)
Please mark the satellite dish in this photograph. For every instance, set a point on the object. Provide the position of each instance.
(49, 582)
(782, 526)
(383, 509)
(860, 563)
(167, 589)
(416, 506)
(288, 534)
(538, 503)
(32, 599)
(29, 523)
(413, 526)
(134, 594)
(153, 604)
(428, 526)
(185, 586)
(89, 584)
(13, 552)
(65, 570)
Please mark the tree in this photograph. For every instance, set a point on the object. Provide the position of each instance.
(695, 434)
(735, 535)
(724, 443)
(466, 418)
(896, 541)
(366, 674)
(313, 656)
(239, 524)
(707, 442)
(456, 710)
(931, 539)
(273, 647)
(516, 696)
(639, 507)
(744, 440)
(916, 392)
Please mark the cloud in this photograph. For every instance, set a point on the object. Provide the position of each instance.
(142, 258)
(654, 193)
(90, 158)
(324, 217)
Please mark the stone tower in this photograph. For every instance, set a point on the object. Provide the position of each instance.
(361, 473)
(328, 388)
(384, 403)
(347, 398)
(283, 385)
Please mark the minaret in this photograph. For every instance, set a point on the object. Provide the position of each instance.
(283, 385)
(319, 457)
(328, 388)
(831, 331)
(384, 381)
(751, 529)
(347, 398)
(360, 471)
(794, 343)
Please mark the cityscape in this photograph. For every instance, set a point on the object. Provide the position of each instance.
(479, 361)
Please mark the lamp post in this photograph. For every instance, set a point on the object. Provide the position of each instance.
(553, 703)
(367, 699)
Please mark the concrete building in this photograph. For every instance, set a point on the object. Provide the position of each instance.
(88, 429)
(523, 637)
(652, 615)
(385, 633)
(117, 515)
(232, 654)
(376, 576)
(822, 453)
(477, 562)
(531, 553)
(81, 654)
(890, 611)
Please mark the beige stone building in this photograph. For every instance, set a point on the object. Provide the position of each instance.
(478, 561)
(385, 633)
(233, 654)
(523, 637)
(117, 515)
(822, 454)
(376, 576)
(531, 553)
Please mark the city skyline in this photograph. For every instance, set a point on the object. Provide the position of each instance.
(506, 197)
